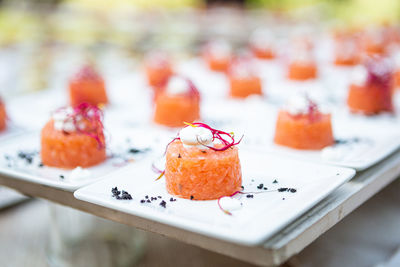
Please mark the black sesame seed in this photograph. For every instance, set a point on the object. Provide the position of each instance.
(275, 181)
(40, 165)
(163, 204)
(283, 189)
(148, 201)
(146, 197)
(292, 190)
(142, 201)
(115, 191)
(283, 198)
(126, 195)
(249, 196)
(171, 199)
(265, 188)
(191, 197)
(134, 150)
(242, 187)
(179, 156)
(62, 176)
(260, 186)
(159, 196)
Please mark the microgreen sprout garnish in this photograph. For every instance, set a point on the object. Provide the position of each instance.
(228, 141)
(88, 120)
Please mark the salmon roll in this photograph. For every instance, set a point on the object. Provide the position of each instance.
(302, 126)
(158, 69)
(244, 80)
(74, 138)
(261, 44)
(87, 86)
(372, 87)
(203, 164)
(178, 101)
(218, 55)
(3, 116)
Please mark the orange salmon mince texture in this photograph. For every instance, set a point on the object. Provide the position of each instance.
(202, 174)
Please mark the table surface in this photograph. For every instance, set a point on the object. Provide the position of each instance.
(276, 250)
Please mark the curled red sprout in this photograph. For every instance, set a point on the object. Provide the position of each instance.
(91, 117)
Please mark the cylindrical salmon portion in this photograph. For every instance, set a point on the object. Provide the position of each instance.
(198, 174)
(243, 87)
(174, 110)
(69, 150)
(369, 99)
(3, 116)
(302, 71)
(89, 91)
(157, 76)
(304, 132)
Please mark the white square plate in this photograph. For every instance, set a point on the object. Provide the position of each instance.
(31, 169)
(258, 218)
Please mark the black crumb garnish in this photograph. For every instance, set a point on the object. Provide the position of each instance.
(142, 201)
(115, 192)
(282, 189)
(159, 196)
(148, 201)
(191, 197)
(275, 181)
(249, 196)
(153, 198)
(179, 156)
(265, 188)
(125, 195)
(292, 190)
(134, 150)
(163, 204)
(242, 187)
(283, 198)
(260, 186)
(337, 173)
(40, 165)
(146, 197)
(252, 180)
(62, 176)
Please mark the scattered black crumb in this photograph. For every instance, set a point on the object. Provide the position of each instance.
(250, 196)
(347, 141)
(62, 176)
(121, 195)
(265, 188)
(146, 197)
(337, 173)
(135, 150)
(252, 180)
(286, 189)
(275, 181)
(191, 197)
(163, 204)
(40, 165)
(159, 196)
(283, 198)
(115, 191)
(172, 199)
(142, 201)
(260, 186)
(242, 187)
(125, 195)
(27, 156)
(153, 198)
(148, 201)
(179, 156)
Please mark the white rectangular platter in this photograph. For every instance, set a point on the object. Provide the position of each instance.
(259, 217)
(20, 159)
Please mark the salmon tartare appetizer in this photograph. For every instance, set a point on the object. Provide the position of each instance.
(371, 89)
(244, 80)
(261, 44)
(74, 137)
(302, 126)
(178, 101)
(158, 69)
(3, 116)
(218, 55)
(87, 86)
(203, 163)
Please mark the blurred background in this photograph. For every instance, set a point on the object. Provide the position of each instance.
(43, 42)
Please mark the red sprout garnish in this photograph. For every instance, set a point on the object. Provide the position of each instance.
(87, 72)
(88, 120)
(217, 134)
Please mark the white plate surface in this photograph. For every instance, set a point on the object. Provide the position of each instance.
(259, 218)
